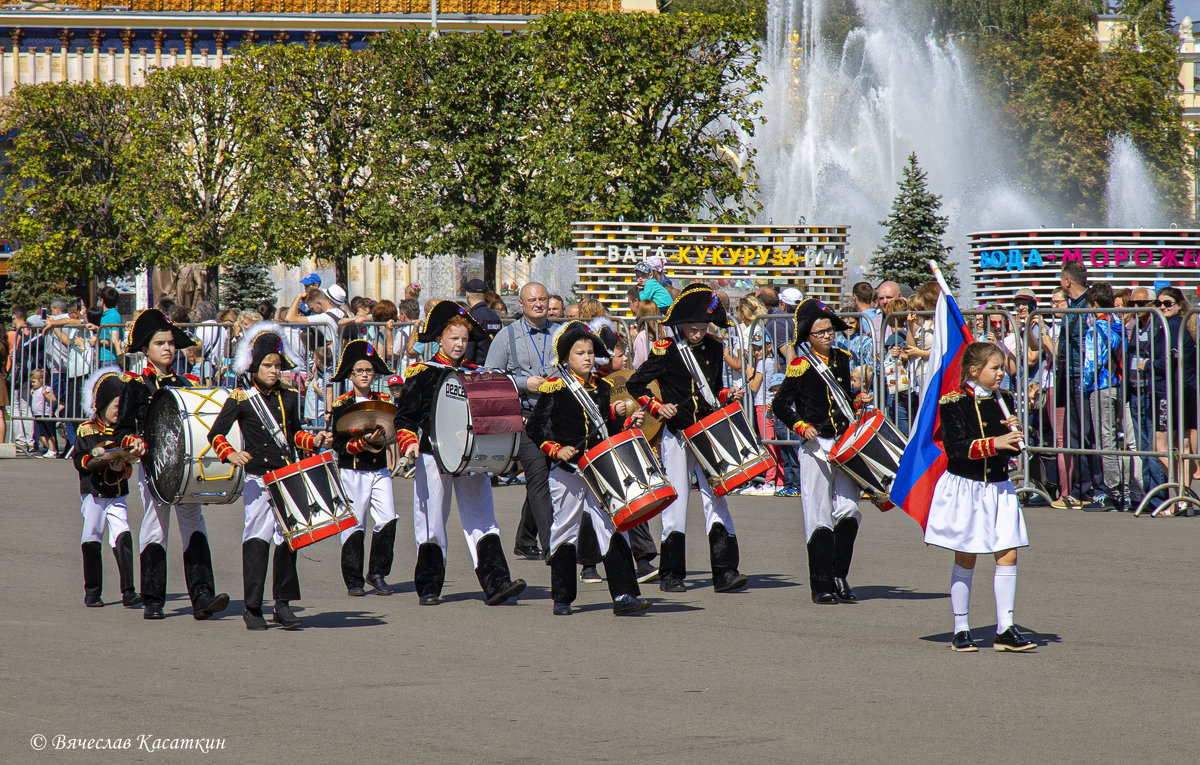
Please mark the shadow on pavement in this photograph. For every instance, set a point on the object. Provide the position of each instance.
(337, 619)
(767, 582)
(875, 592)
(983, 635)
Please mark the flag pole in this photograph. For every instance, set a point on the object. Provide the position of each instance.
(937, 274)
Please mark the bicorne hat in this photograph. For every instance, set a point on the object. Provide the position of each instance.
(440, 315)
(356, 351)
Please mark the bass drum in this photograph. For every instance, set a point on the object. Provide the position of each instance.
(476, 424)
(182, 465)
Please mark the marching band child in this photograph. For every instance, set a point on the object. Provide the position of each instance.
(562, 429)
(830, 498)
(263, 355)
(156, 337)
(450, 327)
(365, 474)
(974, 507)
(681, 406)
(104, 488)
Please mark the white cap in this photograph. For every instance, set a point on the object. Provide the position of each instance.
(36, 320)
(336, 294)
(790, 296)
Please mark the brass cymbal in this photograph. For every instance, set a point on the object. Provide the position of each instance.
(651, 426)
(362, 418)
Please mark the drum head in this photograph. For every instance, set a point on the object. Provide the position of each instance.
(450, 422)
(165, 443)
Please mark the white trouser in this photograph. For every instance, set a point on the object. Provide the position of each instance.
(571, 498)
(261, 521)
(156, 519)
(827, 494)
(369, 489)
(431, 505)
(680, 465)
(97, 510)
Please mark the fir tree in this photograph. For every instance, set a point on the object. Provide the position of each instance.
(245, 285)
(914, 234)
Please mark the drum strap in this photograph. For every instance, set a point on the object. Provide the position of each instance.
(585, 401)
(693, 368)
(268, 420)
(835, 389)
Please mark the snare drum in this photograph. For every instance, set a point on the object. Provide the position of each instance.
(727, 449)
(625, 477)
(476, 423)
(182, 466)
(309, 501)
(869, 452)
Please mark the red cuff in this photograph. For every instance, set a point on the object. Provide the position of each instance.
(612, 412)
(723, 396)
(651, 405)
(628, 423)
(982, 448)
(405, 438)
(222, 447)
(551, 449)
(128, 441)
(357, 446)
(83, 462)
(306, 441)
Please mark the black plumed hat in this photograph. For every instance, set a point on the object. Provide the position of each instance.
(260, 341)
(356, 351)
(807, 314)
(571, 333)
(440, 315)
(100, 388)
(696, 304)
(148, 324)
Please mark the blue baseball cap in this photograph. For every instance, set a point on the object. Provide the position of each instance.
(311, 279)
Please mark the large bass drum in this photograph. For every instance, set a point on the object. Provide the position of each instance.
(476, 423)
(182, 465)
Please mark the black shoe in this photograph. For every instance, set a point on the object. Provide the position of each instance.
(207, 605)
(93, 601)
(1100, 503)
(825, 598)
(841, 588)
(153, 612)
(962, 641)
(562, 609)
(507, 590)
(646, 571)
(254, 620)
(356, 592)
(728, 581)
(380, 584)
(1012, 640)
(131, 599)
(628, 604)
(430, 600)
(531, 552)
(590, 575)
(284, 617)
(671, 583)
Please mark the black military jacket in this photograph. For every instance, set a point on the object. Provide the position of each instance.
(353, 453)
(283, 402)
(665, 364)
(95, 478)
(135, 400)
(414, 404)
(970, 425)
(558, 420)
(804, 400)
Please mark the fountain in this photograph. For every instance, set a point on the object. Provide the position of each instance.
(1131, 197)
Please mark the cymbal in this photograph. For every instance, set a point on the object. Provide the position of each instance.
(362, 418)
(651, 426)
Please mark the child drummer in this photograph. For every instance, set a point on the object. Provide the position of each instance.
(829, 497)
(682, 404)
(450, 327)
(262, 355)
(365, 475)
(562, 429)
(104, 487)
(154, 336)
(974, 507)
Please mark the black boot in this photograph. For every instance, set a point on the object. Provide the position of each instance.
(283, 616)
(844, 534)
(493, 573)
(672, 566)
(588, 549)
(383, 547)
(154, 580)
(255, 553)
(285, 581)
(724, 555)
(123, 552)
(563, 585)
(198, 574)
(618, 568)
(352, 565)
(820, 565)
(93, 574)
(430, 573)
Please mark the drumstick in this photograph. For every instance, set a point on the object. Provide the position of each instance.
(1007, 414)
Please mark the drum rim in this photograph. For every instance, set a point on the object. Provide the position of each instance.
(611, 441)
(724, 413)
(295, 467)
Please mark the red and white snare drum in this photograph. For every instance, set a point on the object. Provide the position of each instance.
(869, 452)
(309, 500)
(727, 449)
(627, 479)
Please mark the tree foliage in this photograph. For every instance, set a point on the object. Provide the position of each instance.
(914, 234)
(245, 285)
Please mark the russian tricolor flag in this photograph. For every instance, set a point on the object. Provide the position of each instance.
(924, 459)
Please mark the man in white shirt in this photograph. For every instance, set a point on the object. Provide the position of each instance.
(214, 340)
(327, 313)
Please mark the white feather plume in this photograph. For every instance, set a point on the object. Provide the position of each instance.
(245, 349)
(89, 387)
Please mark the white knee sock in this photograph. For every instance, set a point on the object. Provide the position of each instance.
(960, 596)
(1005, 583)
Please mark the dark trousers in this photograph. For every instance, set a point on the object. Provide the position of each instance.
(537, 512)
(1077, 424)
(1153, 472)
(641, 543)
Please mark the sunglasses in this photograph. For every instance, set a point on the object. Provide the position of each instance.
(1164, 303)
(1139, 303)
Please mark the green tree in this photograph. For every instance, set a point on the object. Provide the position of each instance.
(914, 234)
(753, 10)
(245, 285)
(64, 185)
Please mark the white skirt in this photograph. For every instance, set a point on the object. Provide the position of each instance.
(975, 516)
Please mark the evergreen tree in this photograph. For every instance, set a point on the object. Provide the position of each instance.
(914, 234)
(245, 285)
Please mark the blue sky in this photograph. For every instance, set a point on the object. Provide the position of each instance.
(1187, 8)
